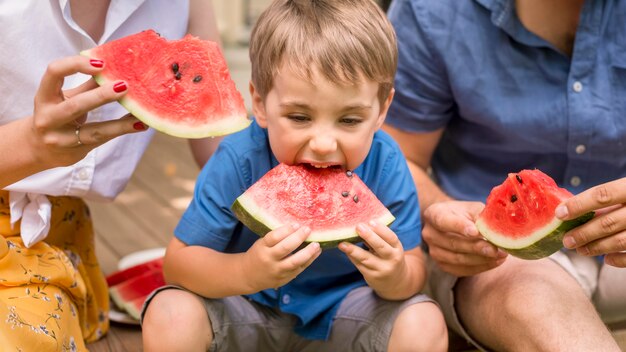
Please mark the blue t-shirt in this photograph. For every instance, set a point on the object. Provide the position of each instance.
(314, 296)
(508, 99)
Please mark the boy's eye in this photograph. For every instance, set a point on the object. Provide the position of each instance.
(298, 118)
(350, 121)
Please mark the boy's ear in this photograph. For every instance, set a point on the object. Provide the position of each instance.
(258, 107)
(384, 108)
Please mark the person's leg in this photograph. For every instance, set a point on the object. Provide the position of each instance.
(366, 322)
(419, 327)
(610, 296)
(530, 306)
(176, 320)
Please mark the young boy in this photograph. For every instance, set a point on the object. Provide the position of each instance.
(322, 73)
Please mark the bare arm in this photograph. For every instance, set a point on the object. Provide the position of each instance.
(418, 151)
(449, 230)
(203, 24)
(271, 262)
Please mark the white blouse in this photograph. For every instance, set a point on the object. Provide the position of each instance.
(36, 32)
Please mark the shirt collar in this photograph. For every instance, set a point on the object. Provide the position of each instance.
(504, 16)
(119, 11)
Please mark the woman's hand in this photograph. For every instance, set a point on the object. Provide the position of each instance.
(58, 134)
(606, 232)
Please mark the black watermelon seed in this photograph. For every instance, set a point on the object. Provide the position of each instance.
(197, 79)
(355, 198)
(175, 67)
(345, 193)
(177, 75)
(513, 198)
(349, 173)
(519, 178)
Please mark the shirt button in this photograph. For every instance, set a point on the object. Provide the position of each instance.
(83, 174)
(577, 86)
(580, 149)
(286, 299)
(575, 181)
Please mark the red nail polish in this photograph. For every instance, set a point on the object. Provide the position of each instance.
(139, 126)
(119, 87)
(96, 63)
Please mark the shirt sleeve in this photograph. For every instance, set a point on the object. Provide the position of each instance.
(208, 220)
(392, 183)
(423, 100)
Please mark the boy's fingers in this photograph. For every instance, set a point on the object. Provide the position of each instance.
(273, 237)
(357, 255)
(304, 257)
(374, 241)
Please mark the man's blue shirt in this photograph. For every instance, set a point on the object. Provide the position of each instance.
(314, 296)
(508, 99)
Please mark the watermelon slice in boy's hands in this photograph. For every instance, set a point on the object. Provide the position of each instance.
(330, 201)
(519, 215)
(179, 87)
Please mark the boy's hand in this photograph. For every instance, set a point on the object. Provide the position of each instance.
(271, 263)
(384, 265)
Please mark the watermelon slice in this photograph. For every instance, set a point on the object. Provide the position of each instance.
(133, 307)
(519, 215)
(136, 270)
(137, 286)
(181, 87)
(331, 202)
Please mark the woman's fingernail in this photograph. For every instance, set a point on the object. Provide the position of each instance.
(139, 126)
(119, 87)
(96, 63)
(561, 212)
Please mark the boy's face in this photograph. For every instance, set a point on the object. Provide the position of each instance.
(320, 123)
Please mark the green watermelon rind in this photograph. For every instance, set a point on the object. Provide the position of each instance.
(260, 222)
(225, 126)
(540, 244)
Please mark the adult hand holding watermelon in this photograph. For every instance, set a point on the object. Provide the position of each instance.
(604, 234)
(453, 239)
(179, 87)
(519, 215)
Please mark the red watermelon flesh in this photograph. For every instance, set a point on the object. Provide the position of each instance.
(136, 270)
(179, 87)
(330, 201)
(135, 287)
(133, 307)
(519, 215)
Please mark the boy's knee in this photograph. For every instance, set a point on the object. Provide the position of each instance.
(419, 327)
(175, 317)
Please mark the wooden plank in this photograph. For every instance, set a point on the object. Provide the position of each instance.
(121, 338)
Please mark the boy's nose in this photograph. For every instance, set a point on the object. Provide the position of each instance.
(323, 143)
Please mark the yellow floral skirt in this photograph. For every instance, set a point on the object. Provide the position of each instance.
(53, 296)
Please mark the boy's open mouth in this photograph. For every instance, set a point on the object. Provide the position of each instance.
(321, 165)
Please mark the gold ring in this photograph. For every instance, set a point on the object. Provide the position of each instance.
(77, 133)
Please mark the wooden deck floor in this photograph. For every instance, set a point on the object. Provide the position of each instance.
(144, 217)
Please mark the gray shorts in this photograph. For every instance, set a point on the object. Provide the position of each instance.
(362, 323)
(603, 284)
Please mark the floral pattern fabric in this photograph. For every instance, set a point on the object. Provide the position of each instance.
(53, 296)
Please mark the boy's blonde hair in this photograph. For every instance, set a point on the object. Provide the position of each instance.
(346, 40)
